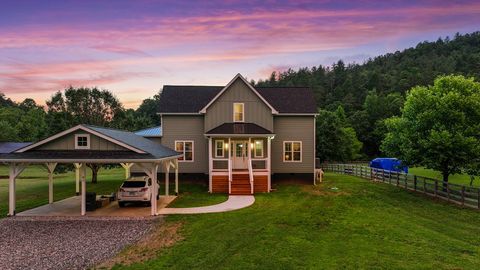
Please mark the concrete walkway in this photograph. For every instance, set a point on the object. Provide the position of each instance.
(233, 203)
(71, 207)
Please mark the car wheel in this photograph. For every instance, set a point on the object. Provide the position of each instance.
(121, 204)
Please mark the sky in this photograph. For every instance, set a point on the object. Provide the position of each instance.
(133, 48)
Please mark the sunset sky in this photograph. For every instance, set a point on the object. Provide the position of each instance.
(133, 48)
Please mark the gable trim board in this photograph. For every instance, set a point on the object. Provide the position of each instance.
(238, 76)
(75, 128)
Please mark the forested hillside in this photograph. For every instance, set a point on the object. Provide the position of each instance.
(374, 90)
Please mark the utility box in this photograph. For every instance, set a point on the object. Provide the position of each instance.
(389, 164)
(90, 203)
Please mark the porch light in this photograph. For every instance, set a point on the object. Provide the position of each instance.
(226, 145)
(251, 145)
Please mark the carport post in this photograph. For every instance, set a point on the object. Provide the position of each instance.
(77, 177)
(50, 168)
(127, 167)
(176, 176)
(83, 175)
(153, 199)
(15, 170)
(167, 174)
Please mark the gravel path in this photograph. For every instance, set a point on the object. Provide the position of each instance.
(66, 243)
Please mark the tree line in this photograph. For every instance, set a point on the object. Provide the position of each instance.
(371, 92)
(27, 121)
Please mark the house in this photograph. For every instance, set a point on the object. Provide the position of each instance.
(239, 135)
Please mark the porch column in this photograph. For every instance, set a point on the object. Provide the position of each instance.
(210, 165)
(83, 176)
(153, 199)
(50, 168)
(127, 167)
(167, 174)
(77, 177)
(269, 163)
(176, 176)
(15, 170)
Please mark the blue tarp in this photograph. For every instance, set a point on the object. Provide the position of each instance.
(390, 164)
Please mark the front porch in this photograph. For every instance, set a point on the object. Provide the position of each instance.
(240, 165)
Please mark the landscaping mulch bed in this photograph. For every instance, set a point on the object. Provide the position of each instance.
(66, 242)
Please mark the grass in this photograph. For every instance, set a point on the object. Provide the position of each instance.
(192, 195)
(358, 225)
(461, 179)
(32, 186)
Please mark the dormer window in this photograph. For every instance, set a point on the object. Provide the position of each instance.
(82, 141)
(238, 112)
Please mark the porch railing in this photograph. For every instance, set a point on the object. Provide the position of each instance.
(250, 174)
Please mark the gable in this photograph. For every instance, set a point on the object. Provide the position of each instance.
(67, 142)
(255, 110)
(235, 80)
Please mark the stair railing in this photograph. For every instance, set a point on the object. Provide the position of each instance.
(230, 177)
(250, 174)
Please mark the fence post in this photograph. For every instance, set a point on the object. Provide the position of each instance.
(371, 173)
(398, 179)
(406, 181)
(415, 182)
(478, 198)
(436, 188)
(448, 192)
(463, 195)
(424, 186)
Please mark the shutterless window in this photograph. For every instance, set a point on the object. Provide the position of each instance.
(292, 151)
(186, 148)
(82, 141)
(219, 150)
(258, 148)
(238, 112)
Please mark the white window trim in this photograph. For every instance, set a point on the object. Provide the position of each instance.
(255, 149)
(223, 148)
(243, 112)
(82, 147)
(193, 150)
(301, 151)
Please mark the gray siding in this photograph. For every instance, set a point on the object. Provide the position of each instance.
(189, 128)
(293, 128)
(67, 142)
(221, 111)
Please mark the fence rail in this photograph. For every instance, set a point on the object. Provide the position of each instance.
(455, 193)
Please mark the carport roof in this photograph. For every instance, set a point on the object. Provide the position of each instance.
(139, 149)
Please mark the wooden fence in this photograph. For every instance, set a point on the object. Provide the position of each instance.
(459, 194)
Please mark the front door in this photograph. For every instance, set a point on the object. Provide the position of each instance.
(240, 155)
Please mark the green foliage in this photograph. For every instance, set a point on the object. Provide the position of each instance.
(354, 86)
(23, 124)
(439, 127)
(336, 141)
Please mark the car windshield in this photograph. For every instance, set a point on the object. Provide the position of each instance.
(133, 184)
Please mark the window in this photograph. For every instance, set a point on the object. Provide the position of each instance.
(82, 141)
(258, 148)
(292, 151)
(238, 112)
(219, 150)
(186, 148)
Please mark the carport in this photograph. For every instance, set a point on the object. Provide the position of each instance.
(85, 144)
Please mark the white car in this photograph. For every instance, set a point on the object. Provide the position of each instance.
(135, 189)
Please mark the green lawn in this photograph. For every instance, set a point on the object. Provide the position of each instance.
(462, 179)
(359, 225)
(32, 186)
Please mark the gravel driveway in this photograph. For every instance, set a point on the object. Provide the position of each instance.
(66, 243)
